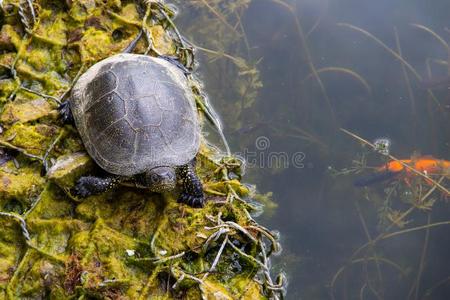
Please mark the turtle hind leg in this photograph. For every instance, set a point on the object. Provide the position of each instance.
(90, 185)
(66, 113)
(192, 193)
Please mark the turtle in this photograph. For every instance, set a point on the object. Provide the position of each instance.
(137, 118)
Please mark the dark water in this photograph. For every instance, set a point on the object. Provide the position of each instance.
(290, 132)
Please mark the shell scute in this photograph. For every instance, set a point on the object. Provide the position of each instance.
(135, 113)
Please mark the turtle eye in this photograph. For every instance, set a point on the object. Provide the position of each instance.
(152, 179)
(160, 179)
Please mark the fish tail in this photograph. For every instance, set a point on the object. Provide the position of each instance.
(372, 179)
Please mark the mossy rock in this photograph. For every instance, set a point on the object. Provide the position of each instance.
(126, 243)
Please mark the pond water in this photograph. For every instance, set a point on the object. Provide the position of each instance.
(376, 68)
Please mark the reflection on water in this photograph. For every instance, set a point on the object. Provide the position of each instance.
(377, 68)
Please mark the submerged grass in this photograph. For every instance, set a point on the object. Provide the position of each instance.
(341, 70)
(420, 195)
(396, 55)
(309, 58)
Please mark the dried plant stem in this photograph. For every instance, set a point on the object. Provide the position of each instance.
(416, 285)
(249, 257)
(384, 236)
(434, 34)
(361, 291)
(362, 260)
(219, 53)
(370, 241)
(435, 287)
(216, 260)
(400, 218)
(418, 228)
(347, 71)
(41, 94)
(219, 16)
(23, 151)
(23, 224)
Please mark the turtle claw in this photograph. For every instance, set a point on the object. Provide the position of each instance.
(192, 201)
(66, 113)
(90, 185)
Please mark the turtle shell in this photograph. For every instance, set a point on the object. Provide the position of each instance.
(134, 113)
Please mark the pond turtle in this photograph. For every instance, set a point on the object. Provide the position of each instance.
(137, 118)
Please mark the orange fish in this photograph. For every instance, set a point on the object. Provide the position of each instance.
(427, 165)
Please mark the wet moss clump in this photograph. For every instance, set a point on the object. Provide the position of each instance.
(126, 243)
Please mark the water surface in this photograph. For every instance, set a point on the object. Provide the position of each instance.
(289, 131)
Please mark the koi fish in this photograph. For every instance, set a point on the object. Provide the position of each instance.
(396, 168)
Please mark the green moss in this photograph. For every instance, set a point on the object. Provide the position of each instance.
(52, 28)
(161, 41)
(245, 288)
(127, 243)
(95, 44)
(11, 249)
(21, 185)
(7, 86)
(52, 204)
(68, 168)
(35, 139)
(10, 38)
(40, 60)
(25, 111)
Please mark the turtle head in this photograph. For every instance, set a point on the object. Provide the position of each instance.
(160, 179)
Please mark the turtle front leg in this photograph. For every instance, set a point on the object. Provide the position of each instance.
(66, 113)
(91, 185)
(192, 193)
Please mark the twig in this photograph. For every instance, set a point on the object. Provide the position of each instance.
(183, 276)
(49, 150)
(23, 151)
(219, 16)
(249, 257)
(216, 260)
(23, 224)
(41, 94)
(231, 224)
(160, 260)
(214, 237)
(276, 248)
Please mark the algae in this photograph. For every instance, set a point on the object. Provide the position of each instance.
(126, 243)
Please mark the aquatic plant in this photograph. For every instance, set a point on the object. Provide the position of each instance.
(404, 196)
(125, 243)
(228, 55)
